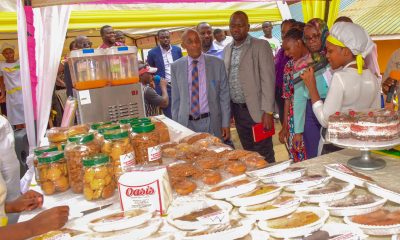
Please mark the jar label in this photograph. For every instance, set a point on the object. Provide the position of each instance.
(154, 153)
(127, 160)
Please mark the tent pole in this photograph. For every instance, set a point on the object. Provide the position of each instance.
(327, 3)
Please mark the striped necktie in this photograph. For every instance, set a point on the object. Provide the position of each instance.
(195, 106)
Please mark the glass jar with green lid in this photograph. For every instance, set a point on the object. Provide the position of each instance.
(126, 124)
(37, 152)
(53, 173)
(99, 133)
(79, 146)
(146, 143)
(118, 146)
(95, 126)
(98, 177)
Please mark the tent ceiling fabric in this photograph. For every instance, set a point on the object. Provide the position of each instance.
(149, 17)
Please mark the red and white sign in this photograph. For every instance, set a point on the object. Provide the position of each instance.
(145, 189)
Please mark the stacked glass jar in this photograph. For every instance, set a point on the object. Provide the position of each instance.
(77, 148)
(146, 141)
(37, 152)
(118, 146)
(58, 137)
(53, 172)
(98, 177)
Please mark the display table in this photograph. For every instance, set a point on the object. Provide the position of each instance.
(389, 176)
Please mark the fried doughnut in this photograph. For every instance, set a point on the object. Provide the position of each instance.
(208, 163)
(256, 162)
(185, 187)
(181, 170)
(211, 177)
(236, 168)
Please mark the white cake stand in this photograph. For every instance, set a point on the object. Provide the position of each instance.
(365, 161)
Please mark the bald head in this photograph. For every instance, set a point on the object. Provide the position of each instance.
(239, 26)
(191, 42)
(82, 42)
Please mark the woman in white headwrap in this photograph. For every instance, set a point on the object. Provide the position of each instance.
(353, 86)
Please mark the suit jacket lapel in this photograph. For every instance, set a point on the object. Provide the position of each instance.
(208, 76)
(245, 49)
(161, 58)
(227, 57)
(185, 84)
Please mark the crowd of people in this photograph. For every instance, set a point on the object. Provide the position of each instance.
(314, 73)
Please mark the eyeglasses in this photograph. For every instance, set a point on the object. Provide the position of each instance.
(313, 37)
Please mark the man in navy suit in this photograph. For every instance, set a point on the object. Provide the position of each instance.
(161, 57)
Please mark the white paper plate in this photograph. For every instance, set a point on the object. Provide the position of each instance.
(396, 237)
(293, 187)
(139, 232)
(318, 198)
(233, 191)
(284, 176)
(354, 210)
(270, 169)
(374, 230)
(138, 217)
(229, 234)
(282, 210)
(176, 212)
(299, 231)
(332, 171)
(383, 192)
(341, 229)
(247, 201)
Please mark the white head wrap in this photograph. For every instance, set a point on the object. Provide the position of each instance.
(352, 36)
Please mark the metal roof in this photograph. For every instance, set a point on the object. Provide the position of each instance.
(378, 17)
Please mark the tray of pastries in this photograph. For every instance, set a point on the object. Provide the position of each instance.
(331, 192)
(260, 194)
(381, 222)
(300, 223)
(383, 192)
(270, 169)
(279, 207)
(337, 231)
(232, 187)
(198, 214)
(346, 174)
(284, 176)
(354, 204)
(305, 182)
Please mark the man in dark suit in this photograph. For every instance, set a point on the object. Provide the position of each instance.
(162, 57)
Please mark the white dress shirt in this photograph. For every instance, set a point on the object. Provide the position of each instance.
(349, 91)
(167, 57)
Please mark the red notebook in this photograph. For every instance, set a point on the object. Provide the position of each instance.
(259, 133)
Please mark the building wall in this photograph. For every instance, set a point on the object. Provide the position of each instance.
(385, 50)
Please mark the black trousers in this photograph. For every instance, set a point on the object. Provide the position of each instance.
(244, 123)
(280, 102)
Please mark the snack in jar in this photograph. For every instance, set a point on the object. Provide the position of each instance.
(57, 136)
(118, 146)
(99, 135)
(126, 124)
(162, 129)
(37, 152)
(95, 126)
(79, 146)
(78, 129)
(146, 142)
(98, 177)
(53, 173)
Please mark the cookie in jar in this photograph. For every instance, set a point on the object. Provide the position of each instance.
(53, 173)
(78, 147)
(147, 144)
(126, 124)
(99, 134)
(118, 146)
(57, 136)
(98, 177)
(37, 152)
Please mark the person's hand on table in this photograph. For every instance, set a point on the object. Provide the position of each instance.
(49, 220)
(26, 202)
(226, 133)
(267, 121)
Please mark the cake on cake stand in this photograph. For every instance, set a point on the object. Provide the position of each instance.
(365, 161)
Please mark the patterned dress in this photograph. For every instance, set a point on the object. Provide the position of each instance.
(287, 93)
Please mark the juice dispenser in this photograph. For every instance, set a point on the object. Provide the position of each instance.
(122, 65)
(88, 68)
